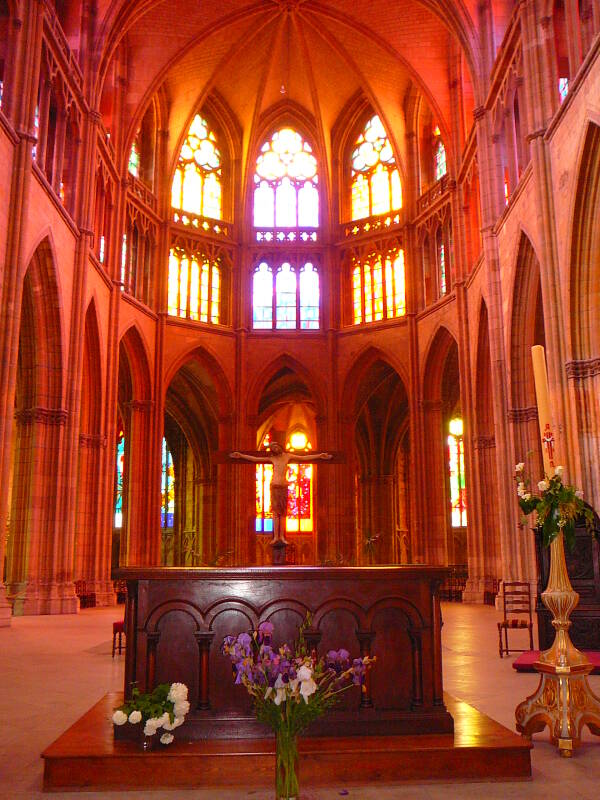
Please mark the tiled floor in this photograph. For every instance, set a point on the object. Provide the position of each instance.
(52, 669)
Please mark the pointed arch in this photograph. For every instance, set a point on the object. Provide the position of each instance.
(137, 353)
(210, 363)
(285, 361)
(352, 400)
(585, 251)
(435, 362)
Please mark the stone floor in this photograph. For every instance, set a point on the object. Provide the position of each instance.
(52, 669)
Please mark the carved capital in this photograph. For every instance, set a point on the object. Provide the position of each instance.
(44, 416)
(583, 368)
(522, 414)
(92, 440)
(484, 442)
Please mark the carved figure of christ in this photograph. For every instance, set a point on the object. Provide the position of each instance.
(280, 459)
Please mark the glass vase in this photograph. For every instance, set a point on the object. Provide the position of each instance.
(286, 768)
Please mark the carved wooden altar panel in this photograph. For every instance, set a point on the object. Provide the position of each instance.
(177, 619)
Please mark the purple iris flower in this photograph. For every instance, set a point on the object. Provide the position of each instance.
(265, 632)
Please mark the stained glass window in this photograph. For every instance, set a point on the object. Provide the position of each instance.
(378, 288)
(133, 166)
(286, 183)
(264, 473)
(167, 505)
(196, 186)
(299, 517)
(442, 267)
(456, 467)
(376, 186)
(286, 298)
(440, 167)
(563, 88)
(119, 475)
(194, 290)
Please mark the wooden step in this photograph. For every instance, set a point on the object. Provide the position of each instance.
(86, 757)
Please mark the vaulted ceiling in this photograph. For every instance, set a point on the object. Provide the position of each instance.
(316, 56)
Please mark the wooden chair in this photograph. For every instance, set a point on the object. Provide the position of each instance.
(516, 596)
(118, 631)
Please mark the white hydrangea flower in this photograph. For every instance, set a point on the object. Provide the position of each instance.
(152, 725)
(119, 717)
(181, 708)
(543, 485)
(149, 730)
(166, 738)
(135, 716)
(521, 489)
(178, 721)
(177, 692)
(526, 496)
(520, 466)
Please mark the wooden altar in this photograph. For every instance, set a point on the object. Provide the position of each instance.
(177, 618)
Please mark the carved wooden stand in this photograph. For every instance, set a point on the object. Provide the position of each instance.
(563, 700)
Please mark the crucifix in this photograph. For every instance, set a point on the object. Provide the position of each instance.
(280, 459)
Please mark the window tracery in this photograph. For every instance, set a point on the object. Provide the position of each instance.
(378, 287)
(197, 183)
(195, 286)
(286, 297)
(375, 180)
(286, 188)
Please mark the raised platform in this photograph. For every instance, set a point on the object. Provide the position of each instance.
(525, 662)
(86, 757)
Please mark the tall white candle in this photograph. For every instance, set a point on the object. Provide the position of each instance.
(543, 406)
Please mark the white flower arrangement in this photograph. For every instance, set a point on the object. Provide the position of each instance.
(165, 708)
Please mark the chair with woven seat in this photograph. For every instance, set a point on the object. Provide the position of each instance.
(517, 605)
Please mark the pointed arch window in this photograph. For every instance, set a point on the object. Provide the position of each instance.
(119, 475)
(167, 504)
(133, 165)
(196, 190)
(375, 183)
(456, 470)
(195, 286)
(286, 297)
(441, 259)
(299, 517)
(286, 195)
(378, 287)
(439, 156)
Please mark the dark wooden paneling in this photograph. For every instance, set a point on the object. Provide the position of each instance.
(390, 612)
(583, 566)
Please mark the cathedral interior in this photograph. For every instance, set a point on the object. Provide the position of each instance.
(333, 226)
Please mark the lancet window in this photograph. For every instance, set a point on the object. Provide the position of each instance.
(167, 505)
(378, 287)
(197, 184)
(286, 296)
(133, 165)
(439, 155)
(286, 196)
(456, 470)
(119, 475)
(195, 286)
(375, 183)
(299, 477)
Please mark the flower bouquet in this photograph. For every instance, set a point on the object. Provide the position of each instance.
(290, 689)
(165, 708)
(557, 506)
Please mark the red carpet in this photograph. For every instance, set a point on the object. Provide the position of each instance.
(524, 663)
